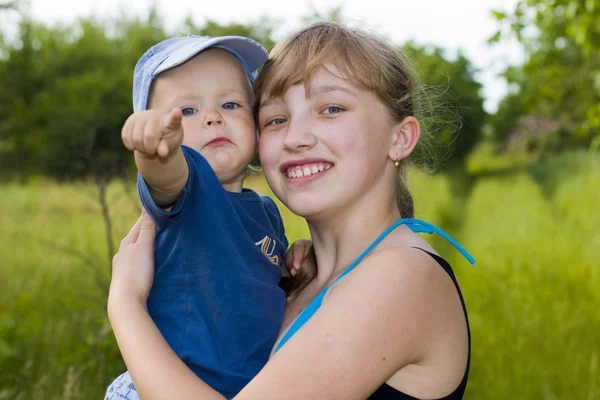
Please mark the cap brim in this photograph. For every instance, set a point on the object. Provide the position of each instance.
(252, 54)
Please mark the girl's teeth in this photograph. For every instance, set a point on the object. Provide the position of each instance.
(299, 172)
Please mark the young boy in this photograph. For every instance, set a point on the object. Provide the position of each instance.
(219, 246)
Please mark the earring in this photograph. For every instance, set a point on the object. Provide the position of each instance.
(396, 163)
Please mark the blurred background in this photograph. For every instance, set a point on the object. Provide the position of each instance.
(518, 182)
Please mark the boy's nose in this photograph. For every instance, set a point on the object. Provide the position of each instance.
(213, 118)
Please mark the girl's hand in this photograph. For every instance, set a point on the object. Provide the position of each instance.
(133, 266)
(296, 255)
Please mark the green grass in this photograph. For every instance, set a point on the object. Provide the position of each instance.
(533, 299)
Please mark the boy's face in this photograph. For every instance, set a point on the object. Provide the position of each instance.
(215, 96)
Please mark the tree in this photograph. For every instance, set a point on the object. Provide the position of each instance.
(260, 30)
(559, 84)
(454, 115)
(66, 92)
(9, 5)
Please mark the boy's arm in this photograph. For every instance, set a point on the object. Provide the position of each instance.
(155, 139)
(166, 177)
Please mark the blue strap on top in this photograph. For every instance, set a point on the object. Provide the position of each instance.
(416, 225)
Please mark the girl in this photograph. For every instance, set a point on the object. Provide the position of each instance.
(383, 317)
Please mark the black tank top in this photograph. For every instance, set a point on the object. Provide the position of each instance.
(386, 392)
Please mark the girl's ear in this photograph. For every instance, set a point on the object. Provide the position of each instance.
(406, 136)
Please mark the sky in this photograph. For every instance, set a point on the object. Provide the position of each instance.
(459, 25)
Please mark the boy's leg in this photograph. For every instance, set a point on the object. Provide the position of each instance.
(122, 389)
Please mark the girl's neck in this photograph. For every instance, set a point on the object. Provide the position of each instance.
(341, 239)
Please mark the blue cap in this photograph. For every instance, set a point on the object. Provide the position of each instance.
(175, 51)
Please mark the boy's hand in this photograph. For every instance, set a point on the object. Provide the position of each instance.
(295, 255)
(153, 133)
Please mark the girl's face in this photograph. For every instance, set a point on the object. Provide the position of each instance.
(326, 153)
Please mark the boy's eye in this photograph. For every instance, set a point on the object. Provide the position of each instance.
(186, 111)
(230, 105)
(276, 121)
(332, 110)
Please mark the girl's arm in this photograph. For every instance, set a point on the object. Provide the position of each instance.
(381, 317)
(156, 370)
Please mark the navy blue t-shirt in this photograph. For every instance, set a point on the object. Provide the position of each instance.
(215, 296)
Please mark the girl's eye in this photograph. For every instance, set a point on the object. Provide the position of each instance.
(276, 121)
(230, 105)
(187, 111)
(332, 110)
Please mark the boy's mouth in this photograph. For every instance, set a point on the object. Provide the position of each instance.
(218, 142)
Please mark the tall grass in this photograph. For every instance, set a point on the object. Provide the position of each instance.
(533, 299)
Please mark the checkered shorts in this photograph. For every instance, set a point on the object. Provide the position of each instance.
(122, 389)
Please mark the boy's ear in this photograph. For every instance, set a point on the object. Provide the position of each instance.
(406, 135)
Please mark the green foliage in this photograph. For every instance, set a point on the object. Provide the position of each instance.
(261, 30)
(55, 340)
(453, 114)
(9, 5)
(65, 92)
(558, 87)
(533, 299)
